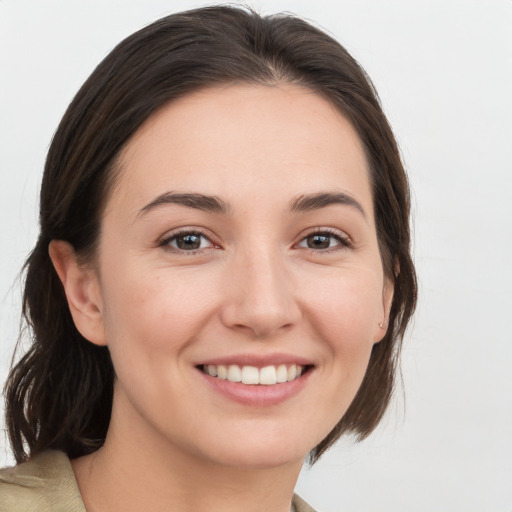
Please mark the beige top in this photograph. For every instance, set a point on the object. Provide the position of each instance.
(47, 484)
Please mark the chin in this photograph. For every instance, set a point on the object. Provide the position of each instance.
(260, 450)
(250, 458)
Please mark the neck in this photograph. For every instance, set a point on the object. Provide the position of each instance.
(135, 471)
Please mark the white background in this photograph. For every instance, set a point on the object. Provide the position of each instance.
(444, 73)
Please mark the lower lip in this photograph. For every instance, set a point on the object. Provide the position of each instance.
(258, 395)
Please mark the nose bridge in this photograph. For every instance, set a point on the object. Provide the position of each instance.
(261, 295)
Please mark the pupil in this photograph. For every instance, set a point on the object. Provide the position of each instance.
(319, 241)
(188, 242)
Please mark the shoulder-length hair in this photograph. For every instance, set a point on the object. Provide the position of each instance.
(59, 395)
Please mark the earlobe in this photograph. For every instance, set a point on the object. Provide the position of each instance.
(387, 301)
(82, 290)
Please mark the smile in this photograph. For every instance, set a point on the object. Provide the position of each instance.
(251, 375)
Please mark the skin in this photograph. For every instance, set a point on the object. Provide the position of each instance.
(254, 288)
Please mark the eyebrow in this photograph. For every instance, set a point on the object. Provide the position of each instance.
(323, 199)
(198, 201)
(303, 203)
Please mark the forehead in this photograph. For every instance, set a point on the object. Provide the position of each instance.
(243, 141)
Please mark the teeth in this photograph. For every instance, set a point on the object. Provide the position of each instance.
(268, 375)
(251, 375)
(282, 373)
(222, 372)
(234, 373)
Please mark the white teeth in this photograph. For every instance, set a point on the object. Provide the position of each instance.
(222, 372)
(282, 373)
(251, 375)
(268, 375)
(234, 373)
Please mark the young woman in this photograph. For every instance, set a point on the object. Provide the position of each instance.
(222, 277)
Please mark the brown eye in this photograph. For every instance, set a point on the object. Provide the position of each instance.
(324, 240)
(319, 241)
(188, 241)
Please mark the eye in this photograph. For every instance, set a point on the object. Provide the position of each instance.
(325, 240)
(187, 241)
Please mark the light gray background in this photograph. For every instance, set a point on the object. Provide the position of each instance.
(444, 73)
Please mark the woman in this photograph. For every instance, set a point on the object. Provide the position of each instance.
(222, 277)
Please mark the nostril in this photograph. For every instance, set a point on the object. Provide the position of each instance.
(260, 302)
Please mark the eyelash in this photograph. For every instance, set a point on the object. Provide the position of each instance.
(165, 243)
(344, 241)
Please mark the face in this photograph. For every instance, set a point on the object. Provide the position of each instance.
(239, 244)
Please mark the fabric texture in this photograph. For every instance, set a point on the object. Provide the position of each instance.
(47, 484)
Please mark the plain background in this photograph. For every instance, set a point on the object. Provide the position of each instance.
(444, 73)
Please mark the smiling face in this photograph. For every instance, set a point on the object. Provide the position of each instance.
(238, 243)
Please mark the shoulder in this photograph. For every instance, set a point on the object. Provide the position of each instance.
(43, 484)
(47, 484)
(300, 505)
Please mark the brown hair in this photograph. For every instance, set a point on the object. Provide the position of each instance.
(59, 395)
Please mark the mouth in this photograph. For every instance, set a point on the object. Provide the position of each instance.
(252, 375)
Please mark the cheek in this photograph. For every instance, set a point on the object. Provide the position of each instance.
(346, 312)
(150, 322)
(154, 313)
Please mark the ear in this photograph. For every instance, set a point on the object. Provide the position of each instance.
(388, 290)
(82, 289)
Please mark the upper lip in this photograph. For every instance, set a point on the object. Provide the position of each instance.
(257, 360)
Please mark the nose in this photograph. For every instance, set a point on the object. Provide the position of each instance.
(260, 295)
